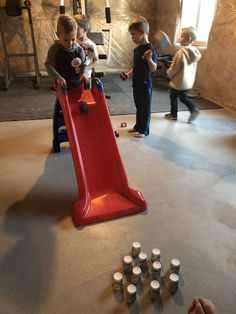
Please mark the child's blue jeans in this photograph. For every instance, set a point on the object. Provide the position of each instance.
(142, 99)
(183, 97)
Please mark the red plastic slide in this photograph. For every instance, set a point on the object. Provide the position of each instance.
(102, 183)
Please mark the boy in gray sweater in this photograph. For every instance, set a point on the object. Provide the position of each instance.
(65, 54)
(182, 73)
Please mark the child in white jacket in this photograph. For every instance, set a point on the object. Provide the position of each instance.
(182, 73)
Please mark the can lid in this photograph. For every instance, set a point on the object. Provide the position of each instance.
(156, 265)
(131, 289)
(117, 276)
(174, 277)
(137, 270)
(128, 259)
(175, 262)
(142, 256)
(155, 284)
(76, 62)
(156, 251)
(136, 245)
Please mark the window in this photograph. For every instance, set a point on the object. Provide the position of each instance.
(200, 14)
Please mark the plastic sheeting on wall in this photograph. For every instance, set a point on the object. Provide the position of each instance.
(18, 36)
(45, 14)
(216, 70)
(122, 11)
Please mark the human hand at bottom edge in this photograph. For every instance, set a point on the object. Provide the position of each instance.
(202, 306)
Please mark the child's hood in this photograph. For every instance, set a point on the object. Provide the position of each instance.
(192, 54)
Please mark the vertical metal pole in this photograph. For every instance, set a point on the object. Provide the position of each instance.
(80, 7)
(62, 8)
(6, 67)
(83, 7)
(74, 7)
(107, 11)
(36, 64)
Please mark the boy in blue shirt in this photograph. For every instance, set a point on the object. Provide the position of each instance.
(144, 63)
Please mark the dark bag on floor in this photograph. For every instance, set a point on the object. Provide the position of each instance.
(13, 7)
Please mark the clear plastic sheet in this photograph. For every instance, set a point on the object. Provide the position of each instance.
(118, 44)
(216, 70)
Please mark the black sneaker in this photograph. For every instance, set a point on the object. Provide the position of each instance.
(169, 116)
(193, 115)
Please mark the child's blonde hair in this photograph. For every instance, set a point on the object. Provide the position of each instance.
(83, 21)
(191, 32)
(139, 24)
(66, 24)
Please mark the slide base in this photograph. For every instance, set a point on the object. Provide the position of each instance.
(106, 207)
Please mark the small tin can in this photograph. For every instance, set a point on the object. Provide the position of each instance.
(76, 62)
(128, 264)
(175, 266)
(173, 283)
(156, 270)
(136, 275)
(156, 255)
(154, 289)
(136, 249)
(117, 283)
(142, 260)
(131, 294)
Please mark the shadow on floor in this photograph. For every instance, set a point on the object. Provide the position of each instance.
(27, 268)
(188, 159)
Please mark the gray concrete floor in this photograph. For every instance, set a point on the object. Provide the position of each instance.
(187, 174)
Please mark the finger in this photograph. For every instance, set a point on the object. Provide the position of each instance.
(148, 52)
(207, 305)
(192, 305)
(204, 301)
(64, 84)
(198, 309)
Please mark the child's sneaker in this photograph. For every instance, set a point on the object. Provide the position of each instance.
(139, 135)
(193, 115)
(169, 116)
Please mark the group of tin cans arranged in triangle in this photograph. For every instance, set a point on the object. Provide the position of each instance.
(136, 265)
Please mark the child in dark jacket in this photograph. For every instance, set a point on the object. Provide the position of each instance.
(144, 64)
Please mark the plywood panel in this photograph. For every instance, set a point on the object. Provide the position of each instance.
(216, 71)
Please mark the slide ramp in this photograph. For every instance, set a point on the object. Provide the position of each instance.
(102, 183)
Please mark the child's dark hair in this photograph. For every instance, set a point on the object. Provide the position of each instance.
(83, 21)
(139, 24)
(66, 24)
